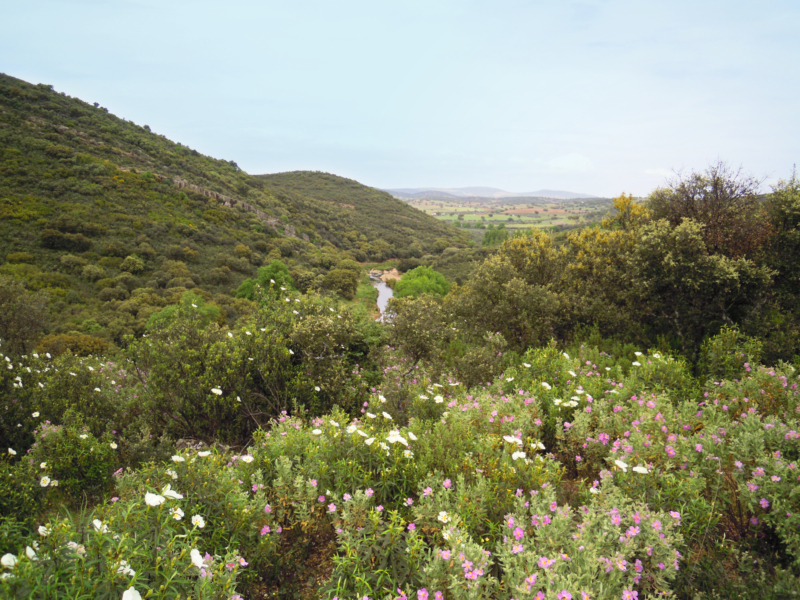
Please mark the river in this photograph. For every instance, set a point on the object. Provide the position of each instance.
(384, 294)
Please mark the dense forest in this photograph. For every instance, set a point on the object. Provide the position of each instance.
(193, 408)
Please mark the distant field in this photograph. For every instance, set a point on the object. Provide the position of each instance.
(515, 213)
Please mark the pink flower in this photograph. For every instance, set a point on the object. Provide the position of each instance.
(379, 508)
(368, 493)
(764, 503)
(517, 548)
(321, 499)
(578, 458)
(438, 596)
(630, 595)
(313, 483)
(519, 533)
(545, 563)
(265, 530)
(268, 509)
(427, 491)
(657, 525)
(698, 447)
(447, 484)
(411, 527)
(332, 508)
(564, 595)
(670, 451)
(422, 594)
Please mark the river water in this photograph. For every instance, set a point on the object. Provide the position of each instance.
(384, 294)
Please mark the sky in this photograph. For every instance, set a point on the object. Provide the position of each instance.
(593, 96)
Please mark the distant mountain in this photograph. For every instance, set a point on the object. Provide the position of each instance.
(483, 192)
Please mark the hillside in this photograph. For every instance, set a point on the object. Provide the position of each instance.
(111, 221)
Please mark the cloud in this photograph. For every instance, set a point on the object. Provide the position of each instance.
(572, 163)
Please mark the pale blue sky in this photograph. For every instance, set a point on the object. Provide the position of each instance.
(595, 96)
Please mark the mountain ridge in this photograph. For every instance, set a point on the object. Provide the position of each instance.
(483, 192)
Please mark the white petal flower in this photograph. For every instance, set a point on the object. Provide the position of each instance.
(36, 414)
(171, 473)
(370, 415)
(113, 446)
(83, 436)
(153, 499)
(412, 436)
(395, 438)
(509, 379)
(369, 441)
(131, 594)
(98, 526)
(12, 452)
(408, 454)
(566, 355)
(43, 531)
(636, 363)
(204, 453)
(124, 569)
(423, 397)
(334, 423)
(546, 385)
(316, 431)
(638, 353)
(594, 490)
(351, 429)
(438, 399)
(176, 513)
(382, 399)
(622, 465)
(43, 465)
(30, 553)
(170, 493)
(517, 455)
(177, 459)
(246, 458)
(54, 483)
(640, 469)
(386, 415)
(572, 373)
(443, 517)
(361, 433)
(8, 561)
(197, 559)
(526, 365)
(512, 440)
(216, 391)
(45, 481)
(199, 521)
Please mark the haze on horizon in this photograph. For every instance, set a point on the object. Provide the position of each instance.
(593, 96)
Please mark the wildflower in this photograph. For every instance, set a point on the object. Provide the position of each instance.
(153, 499)
(443, 517)
(546, 563)
(512, 440)
(98, 526)
(36, 414)
(9, 561)
(131, 594)
(170, 493)
(113, 446)
(369, 441)
(675, 515)
(43, 531)
(198, 521)
(422, 594)
(45, 481)
(368, 492)
(412, 436)
(176, 513)
(517, 548)
(564, 595)
(217, 391)
(171, 473)
(83, 436)
(640, 469)
(438, 399)
(546, 385)
(519, 533)
(395, 438)
(517, 455)
(321, 499)
(316, 431)
(657, 525)
(246, 458)
(427, 491)
(197, 560)
(764, 503)
(670, 451)
(204, 453)
(178, 459)
(621, 465)
(332, 508)
(630, 595)
(386, 415)
(411, 527)
(447, 484)
(370, 415)
(12, 452)
(265, 530)
(408, 454)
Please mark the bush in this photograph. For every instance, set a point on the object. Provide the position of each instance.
(421, 280)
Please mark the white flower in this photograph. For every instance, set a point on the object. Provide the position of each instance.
(216, 391)
(98, 526)
(8, 561)
(546, 385)
(608, 368)
(509, 379)
(171, 473)
(351, 428)
(316, 431)
(334, 423)
(621, 465)
(383, 446)
(96, 390)
(291, 352)
(177, 459)
(640, 469)
(566, 355)
(248, 333)
(246, 458)
(361, 433)
(83, 436)
(124, 569)
(370, 415)
(438, 399)
(204, 453)
(12, 452)
(36, 414)
(131, 594)
(638, 353)
(557, 401)
(170, 493)
(153, 499)
(396, 438)
(443, 517)
(408, 454)
(636, 363)
(197, 559)
(517, 455)
(54, 483)
(369, 441)
(540, 445)
(412, 436)
(194, 305)
(526, 365)
(423, 397)
(45, 481)
(572, 373)
(29, 552)
(512, 440)
(230, 335)
(386, 415)
(43, 531)
(594, 490)
(382, 399)
(113, 446)
(176, 513)
(199, 521)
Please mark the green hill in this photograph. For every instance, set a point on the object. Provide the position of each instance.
(111, 221)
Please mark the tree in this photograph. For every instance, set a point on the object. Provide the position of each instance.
(342, 281)
(421, 280)
(272, 279)
(23, 316)
(725, 201)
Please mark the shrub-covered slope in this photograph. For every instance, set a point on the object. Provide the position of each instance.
(112, 221)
